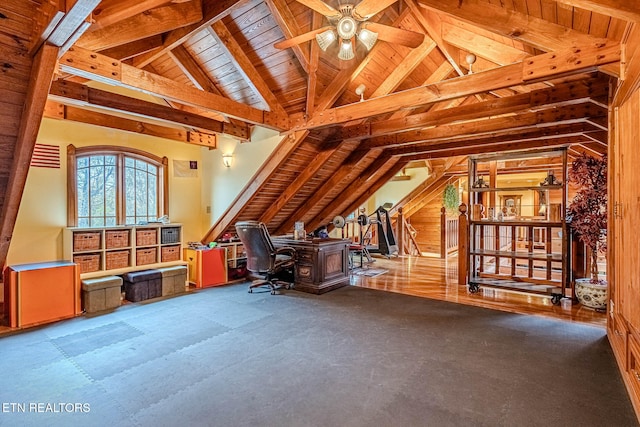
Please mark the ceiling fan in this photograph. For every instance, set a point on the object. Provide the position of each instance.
(348, 22)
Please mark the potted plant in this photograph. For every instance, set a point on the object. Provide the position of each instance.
(587, 216)
(450, 198)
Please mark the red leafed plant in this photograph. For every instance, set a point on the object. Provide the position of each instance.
(587, 212)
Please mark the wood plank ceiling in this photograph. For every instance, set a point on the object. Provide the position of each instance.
(541, 77)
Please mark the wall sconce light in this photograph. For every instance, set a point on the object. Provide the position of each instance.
(227, 160)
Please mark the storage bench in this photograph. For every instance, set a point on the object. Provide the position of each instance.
(174, 279)
(142, 285)
(101, 293)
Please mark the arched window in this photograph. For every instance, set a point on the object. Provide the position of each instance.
(111, 186)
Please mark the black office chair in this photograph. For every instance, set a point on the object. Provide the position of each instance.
(268, 266)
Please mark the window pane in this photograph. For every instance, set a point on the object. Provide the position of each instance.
(97, 189)
(141, 194)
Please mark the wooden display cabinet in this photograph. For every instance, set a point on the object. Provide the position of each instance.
(517, 235)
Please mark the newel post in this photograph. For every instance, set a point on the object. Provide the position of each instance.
(463, 245)
(443, 232)
(401, 230)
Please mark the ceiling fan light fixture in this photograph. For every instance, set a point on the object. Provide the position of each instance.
(368, 38)
(325, 39)
(347, 27)
(346, 50)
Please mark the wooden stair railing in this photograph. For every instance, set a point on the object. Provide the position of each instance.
(407, 244)
(463, 245)
(448, 234)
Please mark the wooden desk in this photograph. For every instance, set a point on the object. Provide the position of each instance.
(322, 264)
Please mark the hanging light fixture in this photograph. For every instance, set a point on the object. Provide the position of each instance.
(346, 50)
(326, 39)
(346, 29)
(368, 38)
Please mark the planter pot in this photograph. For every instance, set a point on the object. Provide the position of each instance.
(592, 295)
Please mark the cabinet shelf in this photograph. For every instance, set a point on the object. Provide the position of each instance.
(517, 239)
(537, 256)
(511, 189)
(120, 249)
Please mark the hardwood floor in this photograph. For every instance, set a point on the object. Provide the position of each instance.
(438, 279)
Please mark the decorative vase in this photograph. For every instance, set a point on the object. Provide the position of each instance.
(592, 295)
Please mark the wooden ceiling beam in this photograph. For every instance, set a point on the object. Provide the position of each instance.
(501, 133)
(479, 128)
(59, 111)
(192, 70)
(134, 48)
(630, 78)
(406, 67)
(70, 93)
(561, 95)
(46, 20)
(75, 19)
(484, 47)
(143, 25)
(287, 23)
(213, 11)
(95, 66)
(621, 9)
(244, 66)
(528, 29)
(540, 67)
(111, 11)
(312, 77)
(42, 71)
(431, 27)
(458, 150)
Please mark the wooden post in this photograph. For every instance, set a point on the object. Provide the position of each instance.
(401, 230)
(463, 245)
(443, 232)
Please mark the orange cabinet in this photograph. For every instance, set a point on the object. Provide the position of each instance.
(41, 292)
(207, 267)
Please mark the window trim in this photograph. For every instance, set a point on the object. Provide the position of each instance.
(120, 152)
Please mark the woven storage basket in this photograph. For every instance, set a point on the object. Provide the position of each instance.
(170, 235)
(146, 236)
(146, 256)
(87, 262)
(116, 239)
(86, 241)
(117, 259)
(170, 253)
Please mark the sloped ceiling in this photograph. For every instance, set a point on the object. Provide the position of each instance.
(541, 77)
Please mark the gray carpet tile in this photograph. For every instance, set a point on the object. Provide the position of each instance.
(96, 338)
(351, 357)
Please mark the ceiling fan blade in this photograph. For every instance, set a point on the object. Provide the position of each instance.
(284, 44)
(367, 8)
(321, 7)
(395, 35)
